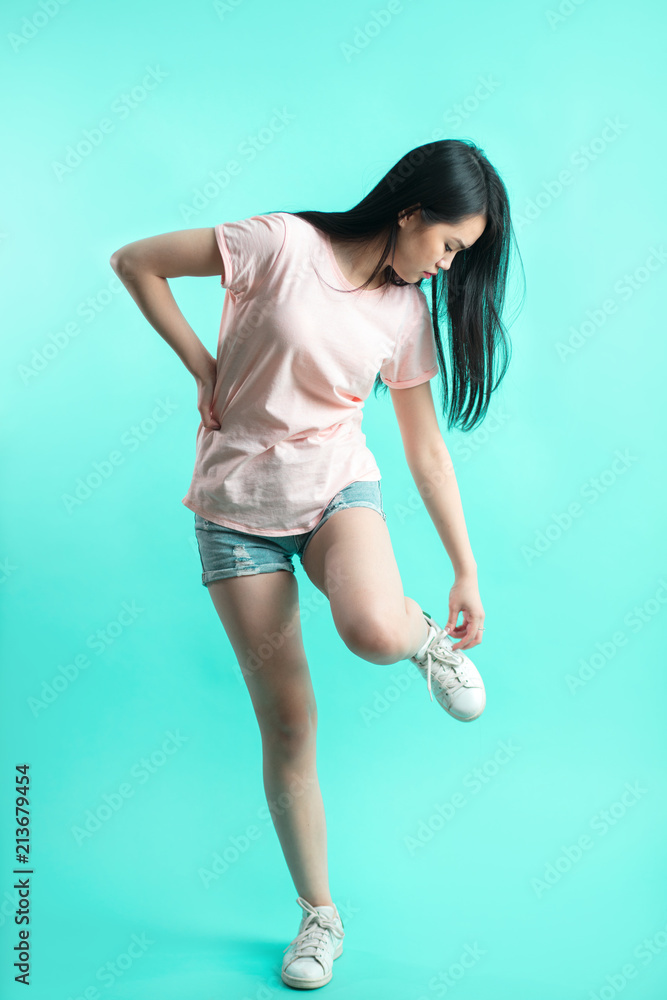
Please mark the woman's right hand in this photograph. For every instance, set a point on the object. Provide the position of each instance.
(205, 389)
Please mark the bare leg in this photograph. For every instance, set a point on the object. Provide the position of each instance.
(282, 695)
(351, 560)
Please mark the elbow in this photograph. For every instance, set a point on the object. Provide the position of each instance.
(431, 459)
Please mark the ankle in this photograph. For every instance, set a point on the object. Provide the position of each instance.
(320, 900)
(427, 637)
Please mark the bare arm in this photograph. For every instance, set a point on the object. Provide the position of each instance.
(144, 266)
(433, 472)
(432, 469)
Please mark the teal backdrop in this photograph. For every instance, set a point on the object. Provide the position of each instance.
(518, 858)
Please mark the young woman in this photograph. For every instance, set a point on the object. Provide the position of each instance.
(320, 308)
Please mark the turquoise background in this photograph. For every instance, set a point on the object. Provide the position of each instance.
(580, 598)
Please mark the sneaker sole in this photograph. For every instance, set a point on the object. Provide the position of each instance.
(464, 718)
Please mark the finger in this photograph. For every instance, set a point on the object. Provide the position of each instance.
(472, 637)
(210, 420)
(461, 632)
(463, 640)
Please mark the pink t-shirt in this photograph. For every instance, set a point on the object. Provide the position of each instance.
(296, 359)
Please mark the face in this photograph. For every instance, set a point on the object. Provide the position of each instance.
(421, 247)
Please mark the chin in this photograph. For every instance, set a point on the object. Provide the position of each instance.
(396, 278)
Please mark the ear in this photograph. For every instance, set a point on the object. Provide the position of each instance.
(407, 213)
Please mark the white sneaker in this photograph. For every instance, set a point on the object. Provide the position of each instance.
(309, 957)
(459, 687)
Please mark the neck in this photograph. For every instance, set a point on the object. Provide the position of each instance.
(358, 262)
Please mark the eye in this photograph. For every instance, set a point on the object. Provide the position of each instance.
(448, 247)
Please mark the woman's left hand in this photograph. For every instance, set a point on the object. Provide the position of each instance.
(464, 597)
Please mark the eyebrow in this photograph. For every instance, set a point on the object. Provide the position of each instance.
(461, 246)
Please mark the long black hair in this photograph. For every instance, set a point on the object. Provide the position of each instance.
(450, 179)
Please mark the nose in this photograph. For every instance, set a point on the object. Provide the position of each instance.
(445, 262)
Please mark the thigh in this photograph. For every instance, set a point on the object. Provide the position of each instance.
(351, 560)
(260, 614)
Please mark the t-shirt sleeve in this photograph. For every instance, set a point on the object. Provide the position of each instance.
(414, 361)
(249, 248)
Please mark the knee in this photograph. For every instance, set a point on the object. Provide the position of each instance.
(375, 639)
(288, 731)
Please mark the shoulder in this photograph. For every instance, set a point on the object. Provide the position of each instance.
(270, 226)
(299, 227)
(416, 303)
(415, 316)
(266, 234)
(420, 303)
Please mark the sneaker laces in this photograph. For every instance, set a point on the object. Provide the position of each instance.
(312, 939)
(450, 666)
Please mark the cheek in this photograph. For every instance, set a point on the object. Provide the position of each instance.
(421, 251)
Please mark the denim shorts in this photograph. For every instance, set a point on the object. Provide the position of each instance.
(226, 552)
